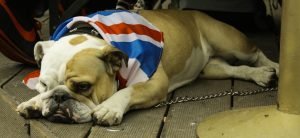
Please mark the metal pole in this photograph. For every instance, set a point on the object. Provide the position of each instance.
(289, 78)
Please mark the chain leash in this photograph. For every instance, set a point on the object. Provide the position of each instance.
(184, 99)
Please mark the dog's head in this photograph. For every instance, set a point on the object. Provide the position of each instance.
(78, 72)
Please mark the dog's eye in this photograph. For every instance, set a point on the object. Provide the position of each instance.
(43, 84)
(83, 86)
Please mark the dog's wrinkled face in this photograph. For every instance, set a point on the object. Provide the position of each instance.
(61, 105)
(89, 74)
(87, 80)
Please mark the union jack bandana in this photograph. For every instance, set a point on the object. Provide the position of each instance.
(127, 31)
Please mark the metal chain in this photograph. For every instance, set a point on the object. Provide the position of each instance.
(184, 99)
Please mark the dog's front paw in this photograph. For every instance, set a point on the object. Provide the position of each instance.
(104, 114)
(111, 111)
(265, 76)
(29, 109)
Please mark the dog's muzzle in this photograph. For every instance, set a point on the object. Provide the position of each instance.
(65, 109)
(59, 108)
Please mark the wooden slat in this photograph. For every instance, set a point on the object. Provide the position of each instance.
(20, 93)
(44, 128)
(11, 124)
(8, 68)
(38, 130)
(9, 120)
(17, 90)
(263, 99)
(182, 119)
(139, 123)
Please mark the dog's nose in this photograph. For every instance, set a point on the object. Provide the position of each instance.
(61, 96)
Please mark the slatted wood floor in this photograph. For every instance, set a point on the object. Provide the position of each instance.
(179, 120)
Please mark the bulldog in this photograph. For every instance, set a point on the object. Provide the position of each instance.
(79, 70)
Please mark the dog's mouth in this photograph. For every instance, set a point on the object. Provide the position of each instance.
(69, 111)
(61, 116)
(60, 112)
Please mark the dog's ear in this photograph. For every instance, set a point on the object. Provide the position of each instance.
(40, 49)
(114, 59)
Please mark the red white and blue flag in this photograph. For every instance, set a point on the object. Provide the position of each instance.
(129, 32)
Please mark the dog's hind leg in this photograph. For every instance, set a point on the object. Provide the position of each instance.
(217, 68)
(262, 60)
(231, 44)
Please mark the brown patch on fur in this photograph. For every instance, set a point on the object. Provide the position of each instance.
(88, 66)
(77, 40)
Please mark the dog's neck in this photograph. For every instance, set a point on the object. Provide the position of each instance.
(83, 28)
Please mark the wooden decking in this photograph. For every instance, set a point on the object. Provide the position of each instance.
(179, 120)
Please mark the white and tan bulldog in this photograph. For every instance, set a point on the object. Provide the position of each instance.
(78, 71)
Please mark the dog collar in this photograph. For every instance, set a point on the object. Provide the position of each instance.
(83, 27)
